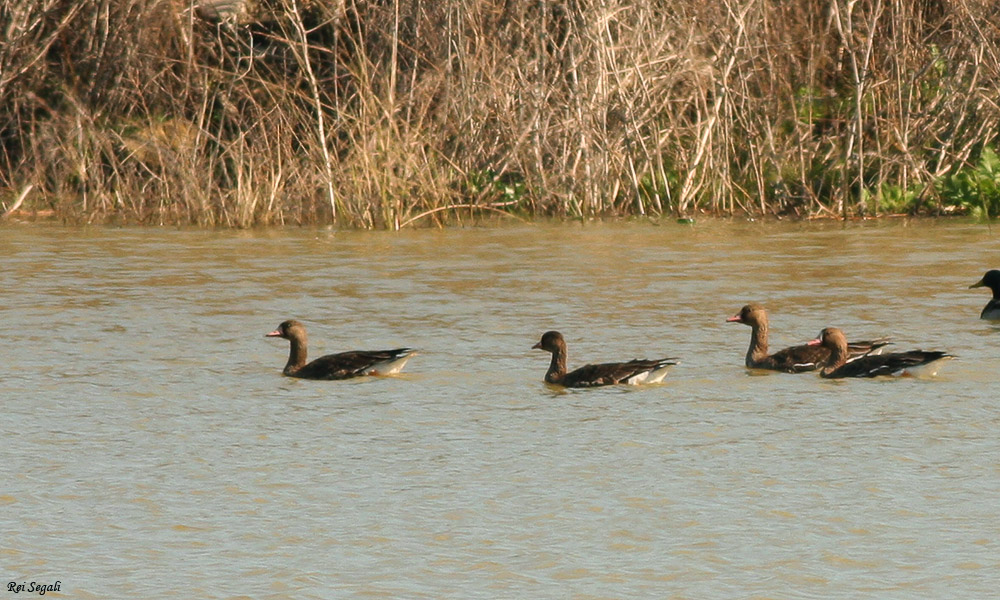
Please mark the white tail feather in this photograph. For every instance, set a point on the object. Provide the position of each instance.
(390, 367)
(654, 376)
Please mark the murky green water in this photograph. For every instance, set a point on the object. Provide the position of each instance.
(152, 449)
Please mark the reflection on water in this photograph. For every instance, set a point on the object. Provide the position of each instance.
(153, 449)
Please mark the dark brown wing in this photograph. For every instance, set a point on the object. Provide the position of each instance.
(874, 365)
(796, 359)
(863, 347)
(612, 373)
(346, 365)
(799, 359)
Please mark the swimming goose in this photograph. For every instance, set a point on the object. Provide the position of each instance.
(991, 280)
(344, 365)
(914, 362)
(632, 372)
(796, 359)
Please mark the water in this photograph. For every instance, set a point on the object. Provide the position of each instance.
(152, 448)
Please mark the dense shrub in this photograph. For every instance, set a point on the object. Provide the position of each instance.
(375, 114)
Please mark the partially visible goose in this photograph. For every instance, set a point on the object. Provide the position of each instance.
(632, 372)
(991, 280)
(344, 365)
(795, 359)
(914, 362)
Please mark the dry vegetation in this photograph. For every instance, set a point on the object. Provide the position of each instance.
(381, 114)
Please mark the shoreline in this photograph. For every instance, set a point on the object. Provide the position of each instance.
(23, 216)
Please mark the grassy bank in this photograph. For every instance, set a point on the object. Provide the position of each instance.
(375, 114)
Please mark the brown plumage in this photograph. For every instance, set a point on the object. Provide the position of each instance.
(632, 372)
(795, 359)
(914, 362)
(344, 365)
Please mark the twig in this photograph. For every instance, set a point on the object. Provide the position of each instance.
(17, 203)
(306, 64)
(457, 206)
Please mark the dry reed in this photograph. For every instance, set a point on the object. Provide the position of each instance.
(381, 115)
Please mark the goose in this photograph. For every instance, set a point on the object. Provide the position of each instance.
(991, 280)
(343, 365)
(914, 362)
(795, 359)
(633, 372)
